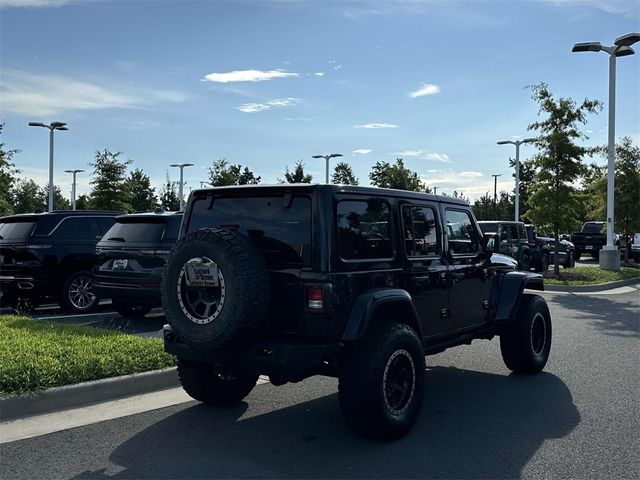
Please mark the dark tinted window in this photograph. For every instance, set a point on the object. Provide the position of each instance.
(363, 229)
(419, 227)
(105, 223)
(78, 228)
(513, 232)
(16, 230)
(280, 226)
(127, 232)
(489, 227)
(461, 233)
(172, 229)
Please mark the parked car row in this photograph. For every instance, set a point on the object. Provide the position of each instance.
(76, 258)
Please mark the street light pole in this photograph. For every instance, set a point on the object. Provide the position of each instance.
(73, 187)
(621, 48)
(52, 126)
(181, 167)
(517, 143)
(327, 157)
(495, 194)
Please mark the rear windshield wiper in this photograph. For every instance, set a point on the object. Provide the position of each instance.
(117, 239)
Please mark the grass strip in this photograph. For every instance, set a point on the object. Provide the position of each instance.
(36, 355)
(589, 276)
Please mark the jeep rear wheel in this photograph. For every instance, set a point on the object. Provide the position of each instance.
(215, 287)
(382, 382)
(213, 384)
(130, 309)
(77, 293)
(525, 345)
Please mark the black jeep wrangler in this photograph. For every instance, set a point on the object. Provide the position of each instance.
(356, 283)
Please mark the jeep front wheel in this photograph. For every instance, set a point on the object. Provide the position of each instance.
(213, 385)
(215, 287)
(525, 345)
(382, 382)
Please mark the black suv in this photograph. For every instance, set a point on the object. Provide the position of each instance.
(131, 256)
(50, 256)
(356, 283)
(510, 239)
(543, 251)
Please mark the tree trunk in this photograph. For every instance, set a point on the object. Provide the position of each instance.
(556, 257)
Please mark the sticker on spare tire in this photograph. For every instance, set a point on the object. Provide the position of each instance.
(201, 274)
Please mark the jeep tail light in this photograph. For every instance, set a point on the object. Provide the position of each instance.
(315, 298)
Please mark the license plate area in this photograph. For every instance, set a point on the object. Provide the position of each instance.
(589, 247)
(201, 273)
(120, 264)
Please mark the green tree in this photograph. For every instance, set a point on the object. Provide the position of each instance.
(28, 197)
(223, 173)
(109, 182)
(527, 172)
(8, 174)
(627, 190)
(169, 199)
(554, 196)
(343, 174)
(297, 176)
(59, 201)
(396, 176)
(82, 202)
(141, 195)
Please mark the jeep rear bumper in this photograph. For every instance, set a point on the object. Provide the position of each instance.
(292, 359)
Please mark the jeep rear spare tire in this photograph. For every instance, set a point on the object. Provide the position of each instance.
(215, 287)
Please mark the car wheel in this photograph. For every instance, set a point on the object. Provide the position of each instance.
(525, 262)
(578, 254)
(213, 385)
(215, 287)
(595, 254)
(130, 310)
(544, 263)
(525, 344)
(381, 384)
(571, 262)
(77, 293)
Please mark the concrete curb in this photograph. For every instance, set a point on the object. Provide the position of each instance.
(591, 288)
(87, 393)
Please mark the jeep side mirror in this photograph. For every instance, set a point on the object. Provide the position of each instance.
(491, 242)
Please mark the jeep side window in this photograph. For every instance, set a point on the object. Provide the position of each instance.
(513, 231)
(419, 229)
(80, 229)
(363, 229)
(522, 232)
(504, 233)
(461, 233)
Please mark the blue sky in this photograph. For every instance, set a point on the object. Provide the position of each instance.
(267, 83)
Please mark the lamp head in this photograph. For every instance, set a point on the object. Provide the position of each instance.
(57, 125)
(174, 165)
(587, 47)
(627, 40)
(334, 155)
(505, 142)
(624, 51)
(187, 164)
(60, 128)
(36, 124)
(529, 140)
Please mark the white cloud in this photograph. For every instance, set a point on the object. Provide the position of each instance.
(437, 157)
(362, 151)
(410, 153)
(26, 93)
(470, 174)
(276, 102)
(426, 89)
(319, 74)
(377, 125)
(248, 76)
(32, 3)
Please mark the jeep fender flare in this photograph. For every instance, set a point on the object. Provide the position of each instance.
(508, 290)
(377, 301)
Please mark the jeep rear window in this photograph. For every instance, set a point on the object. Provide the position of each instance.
(279, 225)
(16, 230)
(363, 229)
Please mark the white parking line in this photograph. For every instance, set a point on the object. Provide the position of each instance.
(37, 425)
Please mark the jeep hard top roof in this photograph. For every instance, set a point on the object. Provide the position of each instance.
(56, 214)
(332, 189)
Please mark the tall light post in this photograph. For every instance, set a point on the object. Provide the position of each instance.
(609, 257)
(495, 194)
(73, 187)
(52, 126)
(517, 143)
(181, 167)
(327, 157)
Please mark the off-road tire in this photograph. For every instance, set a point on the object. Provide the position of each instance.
(203, 383)
(365, 371)
(578, 255)
(246, 281)
(130, 309)
(69, 301)
(544, 263)
(525, 263)
(571, 261)
(525, 345)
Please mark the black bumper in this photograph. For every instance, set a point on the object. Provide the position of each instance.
(276, 357)
(137, 289)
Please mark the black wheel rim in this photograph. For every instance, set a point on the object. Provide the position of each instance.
(201, 305)
(399, 382)
(80, 292)
(538, 334)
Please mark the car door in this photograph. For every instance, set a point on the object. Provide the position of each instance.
(424, 269)
(469, 284)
